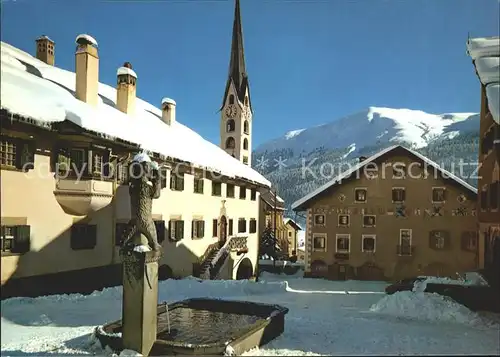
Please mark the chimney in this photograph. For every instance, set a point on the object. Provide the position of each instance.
(362, 158)
(126, 88)
(45, 50)
(87, 69)
(168, 110)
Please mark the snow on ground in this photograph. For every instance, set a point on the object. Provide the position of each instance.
(325, 318)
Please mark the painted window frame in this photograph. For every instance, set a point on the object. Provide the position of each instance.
(438, 188)
(356, 196)
(365, 236)
(397, 188)
(339, 236)
(324, 237)
(315, 221)
(369, 226)
(348, 220)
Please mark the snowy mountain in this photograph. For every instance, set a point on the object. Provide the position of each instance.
(444, 138)
(375, 126)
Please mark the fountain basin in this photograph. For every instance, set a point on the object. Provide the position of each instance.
(205, 326)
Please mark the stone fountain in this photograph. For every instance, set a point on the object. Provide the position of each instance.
(200, 326)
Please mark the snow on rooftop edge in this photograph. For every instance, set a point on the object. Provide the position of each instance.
(485, 52)
(39, 98)
(356, 167)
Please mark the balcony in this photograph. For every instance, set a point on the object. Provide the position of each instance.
(406, 250)
(82, 197)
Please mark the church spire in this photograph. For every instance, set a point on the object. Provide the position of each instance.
(237, 68)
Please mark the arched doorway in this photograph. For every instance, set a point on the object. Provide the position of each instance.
(245, 270)
(222, 231)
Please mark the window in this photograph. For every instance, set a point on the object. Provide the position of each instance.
(360, 195)
(369, 220)
(160, 230)
(245, 144)
(319, 242)
(246, 100)
(229, 190)
(368, 244)
(97, 164)
(230, 143)
(253, 226)
(231, 99)
(343, 220)
(230, 126)
(289, 234)
(242, 225)
(16, 153)
(197, 228)
(83, 236)
(198, 185)
(176, 229)
(253, 194)
(246, 129)
(405, 247)
(438, 194)
(121, 229)
(438, 239)
(78, 159)
(494, 195)
(176, 181)
(398, 195)
(343, 243)
(163, 178)
(216, 188)
(230, 227)
(484, 198)
(215, 224)
(245, 160)
(16, 239)
(243, 193)
(319, 219)
(469, 241)
(121, 170)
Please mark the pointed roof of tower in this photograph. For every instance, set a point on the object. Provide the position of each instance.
(237, 69)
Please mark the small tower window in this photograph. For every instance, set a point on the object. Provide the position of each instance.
(245, 127)
(245, 144)
(230, 125)
(230, 143)
(231, 99)
(246, 100)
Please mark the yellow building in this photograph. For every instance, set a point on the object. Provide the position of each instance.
(66, 139)
(292, 231)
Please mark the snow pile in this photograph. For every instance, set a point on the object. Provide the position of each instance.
(424, 306)
(472, 279)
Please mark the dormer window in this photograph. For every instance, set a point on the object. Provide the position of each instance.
(231, 99)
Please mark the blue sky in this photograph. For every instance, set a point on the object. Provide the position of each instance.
(309, 62)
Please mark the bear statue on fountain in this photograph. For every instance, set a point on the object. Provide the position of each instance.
(144, 186)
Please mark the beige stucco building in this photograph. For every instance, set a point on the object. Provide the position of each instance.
(292, 231)
(394, 215)
(66, 140)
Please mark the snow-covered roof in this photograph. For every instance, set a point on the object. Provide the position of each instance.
(289, 220)
(299, 204)
(44, 93)
(485, 53)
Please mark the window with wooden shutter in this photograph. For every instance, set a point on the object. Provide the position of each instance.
(398, 195)
(216, 188)
(16, 239)
(242, 225)
(83, 236)
(160, 230)
(253, 194)
(198, 185)
(163, 178)
(8, 152)
(439, 240)
(469, 241)
(197, 229)
(253, 226)
(176, 230)
(17, 153)
(230, 227)
(176, 181)
(243, 192)
(215, 224)
(229, 190)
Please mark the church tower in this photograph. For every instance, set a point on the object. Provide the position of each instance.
(236, 109)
